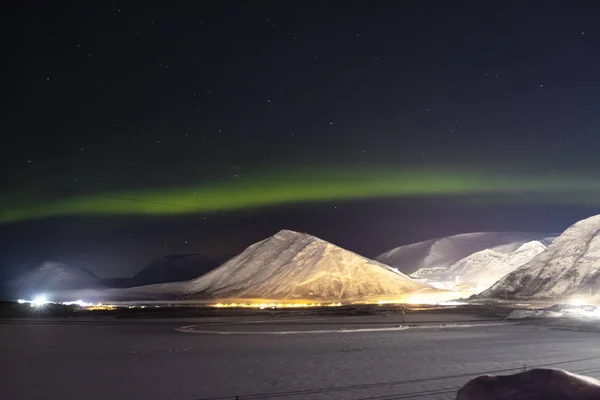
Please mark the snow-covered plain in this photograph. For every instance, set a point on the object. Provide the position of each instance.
(141, 359)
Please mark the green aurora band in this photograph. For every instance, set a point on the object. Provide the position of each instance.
(302, 186)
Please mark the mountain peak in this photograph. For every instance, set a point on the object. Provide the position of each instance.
(51, 276)
(288, 234)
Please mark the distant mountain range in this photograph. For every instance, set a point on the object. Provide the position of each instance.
(175, 268)
(445, 251)
(483, 268)
(52, 276)
(288, 266)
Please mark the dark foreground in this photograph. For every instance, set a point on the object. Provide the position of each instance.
(350, 357)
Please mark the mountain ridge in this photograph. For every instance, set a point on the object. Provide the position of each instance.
(484, 267)
(291, 267)
(569, 266)
(447, 250)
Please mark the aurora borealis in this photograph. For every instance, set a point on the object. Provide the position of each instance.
(309, 185)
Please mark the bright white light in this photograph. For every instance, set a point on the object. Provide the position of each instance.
(577, 302)
(453, 303)
(39, 301)
(79, 303)
(21, 301)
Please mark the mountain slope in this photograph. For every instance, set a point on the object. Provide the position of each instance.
(445, 251)
(53, 276)
(296, 266)
(483, 268)
(569, 266)
(175, 268)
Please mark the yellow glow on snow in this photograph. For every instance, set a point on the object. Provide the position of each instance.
(274, 305)
(422, 300)
(435, 298)
(99, 306)
(446, 298)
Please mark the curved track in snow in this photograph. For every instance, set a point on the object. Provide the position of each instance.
(232, 329)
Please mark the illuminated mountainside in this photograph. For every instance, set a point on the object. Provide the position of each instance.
(569, 266)
(295, 266)
(483, 268)
(446, 251)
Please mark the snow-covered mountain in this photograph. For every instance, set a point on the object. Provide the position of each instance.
(52, 276)
(569, 266)
(289, 266)
(446, 251)
(484, 267)
(175, 268)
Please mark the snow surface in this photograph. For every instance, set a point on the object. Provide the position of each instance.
(483, 268)
(51, 276)
(446, 251)
(147, 359)
(544, 313)
(535, 384)
(569, 266)
(297, 266)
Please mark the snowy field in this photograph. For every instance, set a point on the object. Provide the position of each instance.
(350, 358)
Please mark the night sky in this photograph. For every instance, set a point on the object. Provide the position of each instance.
(135, 129)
